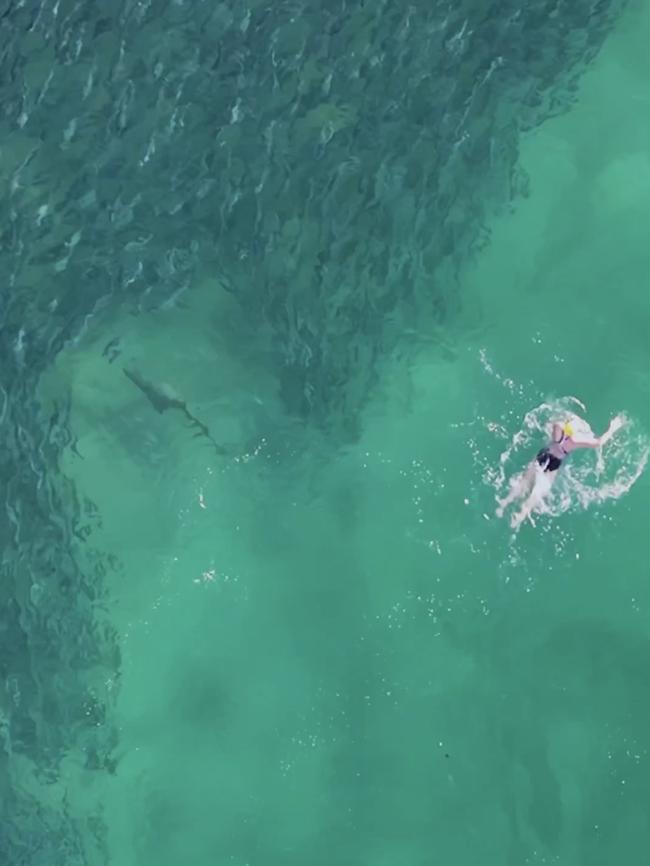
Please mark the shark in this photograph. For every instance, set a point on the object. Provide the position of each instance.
(163, 398)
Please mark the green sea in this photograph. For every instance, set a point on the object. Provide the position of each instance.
(277, 622)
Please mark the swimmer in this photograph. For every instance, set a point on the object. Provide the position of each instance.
(536, 481)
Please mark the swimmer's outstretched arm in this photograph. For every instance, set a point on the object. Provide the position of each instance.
(614, 425)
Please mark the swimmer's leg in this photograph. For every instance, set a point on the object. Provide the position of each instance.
(541, 488)
(520, 485)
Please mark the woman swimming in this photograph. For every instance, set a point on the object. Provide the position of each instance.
(536, 481)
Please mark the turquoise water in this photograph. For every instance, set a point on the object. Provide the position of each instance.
(319, 646)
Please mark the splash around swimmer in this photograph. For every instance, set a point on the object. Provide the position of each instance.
(533, 485)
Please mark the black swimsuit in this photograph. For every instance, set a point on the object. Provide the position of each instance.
(549, 461)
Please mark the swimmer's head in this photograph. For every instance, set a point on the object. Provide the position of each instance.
(560, 431)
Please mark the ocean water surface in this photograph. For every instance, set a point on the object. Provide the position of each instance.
(288, 294)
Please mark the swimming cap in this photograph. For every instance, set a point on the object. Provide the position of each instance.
(567, 429)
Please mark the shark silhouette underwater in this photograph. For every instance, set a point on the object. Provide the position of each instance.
(163, 397)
